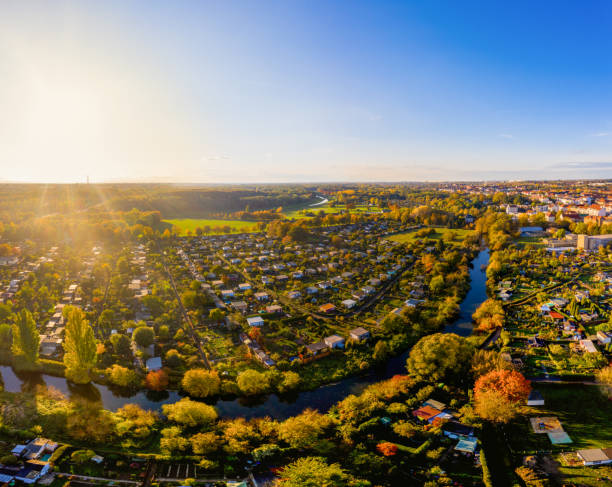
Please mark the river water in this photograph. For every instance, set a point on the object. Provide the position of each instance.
(273, 405)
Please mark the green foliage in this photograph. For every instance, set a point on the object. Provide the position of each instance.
(79, 346)
(6, 337)
(123, 377)
(190, 413)
(439, 357)
(82, 456)
(144, 336)
(252, 382)
(201, 383)
(313, 472)
(26, 340)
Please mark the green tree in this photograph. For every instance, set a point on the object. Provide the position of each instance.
(121, 344)
(123, 377)
(201, 383)
(440, 356)
(190, 413)
(6, 337)
(381, 350)
(305, 429)
(252, 382)
(26, 340)
(312, 472)
(79, 346)
(144, 336)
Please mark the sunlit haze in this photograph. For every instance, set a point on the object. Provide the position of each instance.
(228, 91)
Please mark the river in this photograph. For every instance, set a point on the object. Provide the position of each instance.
(273, 405)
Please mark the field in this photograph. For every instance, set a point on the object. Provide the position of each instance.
(535, 241)
(301, 212)
(460, 234)
(216, 226)
(584, 414)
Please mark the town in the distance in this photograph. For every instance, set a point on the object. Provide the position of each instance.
(330, 334)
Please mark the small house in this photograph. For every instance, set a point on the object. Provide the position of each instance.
(255, 321)
(334, 341)
(359, 334)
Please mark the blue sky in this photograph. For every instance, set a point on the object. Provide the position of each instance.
(305, 91)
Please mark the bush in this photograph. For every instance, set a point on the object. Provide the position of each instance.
(58, 453)
(82, 456)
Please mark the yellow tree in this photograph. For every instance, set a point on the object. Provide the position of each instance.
(79, 346)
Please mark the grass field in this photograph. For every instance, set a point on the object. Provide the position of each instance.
(216, 226)
(535, 241)
(440, 233)
(584, 414)
(299, 213)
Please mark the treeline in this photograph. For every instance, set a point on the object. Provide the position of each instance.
(93, 225)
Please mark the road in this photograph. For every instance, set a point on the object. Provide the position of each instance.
(191, 328)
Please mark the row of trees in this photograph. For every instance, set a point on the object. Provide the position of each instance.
(79, 344)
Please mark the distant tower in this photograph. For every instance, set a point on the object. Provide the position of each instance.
(87, 179)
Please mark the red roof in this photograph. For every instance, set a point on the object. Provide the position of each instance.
(555, 316)
(426, 412)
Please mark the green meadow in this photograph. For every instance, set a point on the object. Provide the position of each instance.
(216, 226)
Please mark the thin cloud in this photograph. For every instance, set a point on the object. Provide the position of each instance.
(583, 165)
(600, 134)
(506, 136)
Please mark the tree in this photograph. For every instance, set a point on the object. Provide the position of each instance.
(216, 315)
(201, 383)
(499, 395)
(135, 421)
(106, 319)
(190, 413)
(205, 443)
(121, 344)
(6, 337)
(87, 421)
(26, 340)
(509, 383)
(485, 361)
(604, 377)
(439, 356)
(290, 381)
(144, 336)
(381, 350)
(172, 440)
(489, 315)
(387, 449)
(79, 346)
(305, 429)
(312, 472)
(157, 380)
(122, 376)
(436, 285)
(251, 382)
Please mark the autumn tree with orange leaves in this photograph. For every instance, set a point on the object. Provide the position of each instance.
(500, 394)
(157, 380)
(387, 449)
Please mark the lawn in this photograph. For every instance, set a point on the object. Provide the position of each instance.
(216, 226)
(535, 241)
(583, 412)
(460, 234)
(300, 213)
